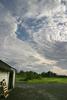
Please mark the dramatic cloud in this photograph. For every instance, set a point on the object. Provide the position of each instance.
(33, 34)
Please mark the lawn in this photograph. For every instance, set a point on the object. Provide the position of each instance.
(25, 91)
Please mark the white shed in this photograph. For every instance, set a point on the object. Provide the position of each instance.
(7, 73)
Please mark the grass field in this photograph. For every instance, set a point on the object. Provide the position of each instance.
(44, 80)
(49, 80)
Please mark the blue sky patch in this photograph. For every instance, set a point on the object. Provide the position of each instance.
(22, 33)
(36, 24)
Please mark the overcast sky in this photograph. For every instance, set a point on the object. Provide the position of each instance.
(33, 34)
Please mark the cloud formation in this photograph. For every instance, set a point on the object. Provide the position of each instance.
(33, 34)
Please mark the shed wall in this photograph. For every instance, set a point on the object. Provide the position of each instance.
(4, 75)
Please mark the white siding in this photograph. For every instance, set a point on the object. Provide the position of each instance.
(4, 75)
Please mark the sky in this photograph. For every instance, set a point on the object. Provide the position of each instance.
(33, 35)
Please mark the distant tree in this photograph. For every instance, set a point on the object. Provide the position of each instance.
(31, 75)
(50, 74)
(43, 74)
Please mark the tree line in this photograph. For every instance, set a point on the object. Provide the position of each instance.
(29, 75)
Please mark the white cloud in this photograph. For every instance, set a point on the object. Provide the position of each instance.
(22, 54)
(59, 70)
(41, 8)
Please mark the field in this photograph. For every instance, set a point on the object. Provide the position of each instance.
(44, 89)
(44, 80)
(48, 80)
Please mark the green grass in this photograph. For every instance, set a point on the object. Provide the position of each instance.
(43, 80)
(48, 80)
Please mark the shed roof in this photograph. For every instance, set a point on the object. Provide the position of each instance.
(5, 67)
